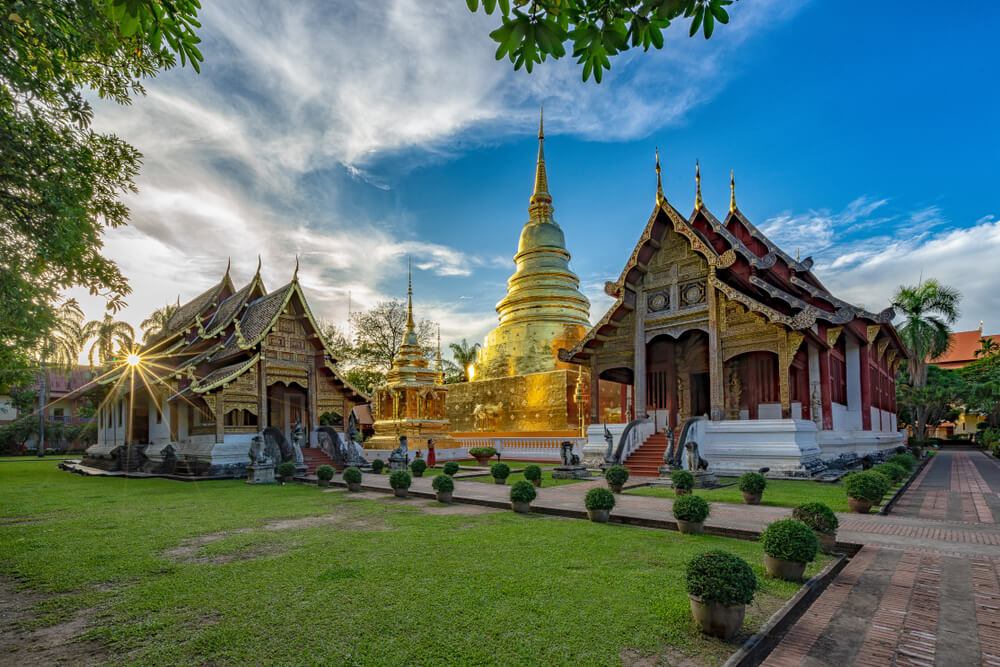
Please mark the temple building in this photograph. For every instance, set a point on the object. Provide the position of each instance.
(712, 319)
(411, 403)
(228, 363)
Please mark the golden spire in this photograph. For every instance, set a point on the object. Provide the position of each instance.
(732, 191)
(659, 183)
(409, 297)
(797, 255)
(438, 366)
(697, 179)
(540, 206)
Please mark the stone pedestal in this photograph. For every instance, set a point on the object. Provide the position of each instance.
(398, 465)
(570, 472)
(261, 473)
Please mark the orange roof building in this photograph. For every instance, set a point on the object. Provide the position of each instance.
(963, 347)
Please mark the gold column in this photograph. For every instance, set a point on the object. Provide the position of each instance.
(715, 380)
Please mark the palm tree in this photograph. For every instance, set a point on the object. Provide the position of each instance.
(157, 321)
(987, 347)
(106, 333)
(60, 348)
(929, 309)
(465, 356)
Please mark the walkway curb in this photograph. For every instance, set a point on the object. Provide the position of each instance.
(921, 464)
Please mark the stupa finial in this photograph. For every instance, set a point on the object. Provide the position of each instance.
(540, 207)
(659, 183)
(697, 180)
(438, 365)
(732, 190)
(409, 296)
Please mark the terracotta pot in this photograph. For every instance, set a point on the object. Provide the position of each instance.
(681, 492)
(354, 486)
(859, 506)
(444, 496)
(483, 460)
(401, 493)
(537, 483)
(827, 542)
(717, 619)
(783, 569)
(599, 516)
(690, 527)
(615, 488)
(752, 498)
(499, 480)
(324, 482)
(522, 508)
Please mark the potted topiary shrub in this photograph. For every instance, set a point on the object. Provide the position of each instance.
(400, 481)
(752, 485)
(450, 468)
(719, 586)
(894, 471)
(377, 466)
(822, 521)
(482, 454)
(864, 489)
(690, 511)
(444, 485)
(907, 460)
(418, 467)
(286, 471)
(521, 495)
(599, 503)
(788, 545)
(324, 474)
(533, 474)
(616, 477)
(682, 481)
(352, 477)
(500, 472)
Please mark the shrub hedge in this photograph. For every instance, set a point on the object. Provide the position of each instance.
(443, 483)
(722, 577)
(691, 508)
(599, 498)
(483, 451)
(789, 539)
(500, 471)
(522, 491)
(817, 516)
(616, 475)
(325, 473)
(682, 479)
(400, 479)
(752, 483)
(377, 465)
(867, 485)
(450, 468)
(352, 475)
(908, 461)
(418, 466)
(286, 469)
(894, 471)
(532, 472)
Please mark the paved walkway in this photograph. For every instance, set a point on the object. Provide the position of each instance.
(924, 589)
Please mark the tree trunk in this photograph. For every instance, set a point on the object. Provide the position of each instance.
(41, 410)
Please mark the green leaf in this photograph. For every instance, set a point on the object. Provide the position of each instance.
(696, 21)
(489, 6)
(709, 24)
(720, 14)
(473, 5)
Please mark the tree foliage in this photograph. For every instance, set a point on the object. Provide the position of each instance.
(533, 30)
(928, 309)
(464, 355)
(61, 182)
(109, 337)
(980, 384)
(157, 321)
(938, 400)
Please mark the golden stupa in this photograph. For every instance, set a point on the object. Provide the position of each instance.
(517, 382)
(412, 401)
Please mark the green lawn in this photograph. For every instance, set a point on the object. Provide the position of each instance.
(226, 573)
(517, 476)
(513, 463)
(779, 492)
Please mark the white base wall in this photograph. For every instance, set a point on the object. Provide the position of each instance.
(737, 446)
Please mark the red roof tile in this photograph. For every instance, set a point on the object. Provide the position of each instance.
(962, 348)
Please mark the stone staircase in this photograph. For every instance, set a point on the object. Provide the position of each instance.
(315, 457)
(646, 461)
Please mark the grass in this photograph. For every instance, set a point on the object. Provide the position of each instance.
(227, 573)
(517, 476)
(779, 493)
(513, 463)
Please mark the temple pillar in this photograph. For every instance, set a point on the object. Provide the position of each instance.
(220, 417)
(595, 393)
(784, 390)
(715, 381)
(346, 408)
(853, 373)
(640, 354)
(864, 378)
(263, 416)
(825, 392)
(313, 403)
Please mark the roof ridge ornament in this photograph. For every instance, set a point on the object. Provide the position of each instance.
(259, 261)
(659, 183)
(295, 276)
(732, 191)
(697, 180)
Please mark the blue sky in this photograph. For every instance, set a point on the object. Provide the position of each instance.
(356, 134)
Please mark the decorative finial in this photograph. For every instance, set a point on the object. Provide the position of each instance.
(409, 296)
(732, 191)
(229, 263)
(697, 179)
(295, 276)
(258, 264)
(980, 327)
(438, 366)
(797, 255)
(659, 183)
(540, 206)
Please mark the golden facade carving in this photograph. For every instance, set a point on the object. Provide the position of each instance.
(872, 332)
(530, 402)
(832, 334)
(882, 345)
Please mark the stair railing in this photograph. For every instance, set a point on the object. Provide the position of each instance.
(636, 432)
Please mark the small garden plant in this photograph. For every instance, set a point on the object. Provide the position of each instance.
(599, 499)
(500, 471)
(790, 540)
(324, 473)
(682, 480)
(522, 492)
(377, 465)
(894, 471)
(352, 475)
(450, 468)
(616, 475)
(418, 467)
(400, 479)
(907, 460)
(532, 473)
(753, 483)
(722, 577)
(482, 452)
(818, 517)
(691, 508)
(867, 485)
(286, 469)
(443, 484)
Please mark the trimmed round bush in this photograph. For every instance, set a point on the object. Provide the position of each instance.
(325, 473)
(352, 475)
(532, 472)
(286, 469)
(483, 451)
(443, 483)
(722, 577)
(817, 516)
(400, 479)
(377, 465)
(522, 491)
(418, 466)
(616, 475)
(450, 468)
(867, 485)
(789, 539)
(682, 479)
(752, 483)
(908, 461)
(894, 471)
(599, 499)
(500, 471)
(691, 508)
